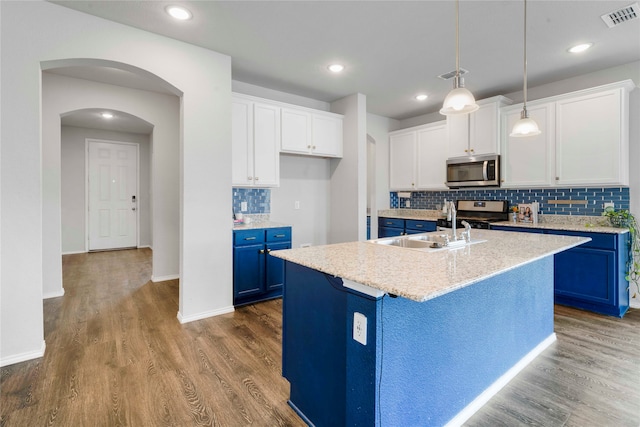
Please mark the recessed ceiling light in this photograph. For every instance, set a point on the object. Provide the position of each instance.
(336, 68)
(580, 47)
(107, 115)
(179, 12)
(421, 97)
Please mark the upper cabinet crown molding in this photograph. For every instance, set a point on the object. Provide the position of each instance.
(477, 133)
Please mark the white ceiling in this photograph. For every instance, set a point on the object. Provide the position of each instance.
(392, 50)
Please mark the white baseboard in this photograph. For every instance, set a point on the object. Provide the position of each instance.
(144, 246)
(205, 315)
(634, 303)
(156, 279)
(23, 357)
(74, 252)
(55, 294)
(494, 388)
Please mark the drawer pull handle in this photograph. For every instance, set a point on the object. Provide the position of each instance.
(418, 225)
(389, 223)
(279, 235)
(250, 238)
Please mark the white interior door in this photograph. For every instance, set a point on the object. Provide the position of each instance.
(112, 183)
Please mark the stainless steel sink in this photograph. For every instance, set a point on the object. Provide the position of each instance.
(424, 242)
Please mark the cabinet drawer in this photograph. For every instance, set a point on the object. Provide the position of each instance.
(278, 234)
(418, 225)
(598, 240)
(248, 237)
(391, 222)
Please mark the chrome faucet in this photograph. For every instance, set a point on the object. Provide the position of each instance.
(466, 234)
(452, 209)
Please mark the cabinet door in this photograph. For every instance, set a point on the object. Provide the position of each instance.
(484, 130)
(266, 119)
(248, 269)
(326, 136)
(586, 274)
(275, 266)
(589, 140)
(241, 142)
(528, 161)
(458, 136)
(402, 161)
(296, 131)
(432, 158)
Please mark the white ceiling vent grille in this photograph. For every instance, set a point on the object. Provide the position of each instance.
(621, 16)
(452, 74)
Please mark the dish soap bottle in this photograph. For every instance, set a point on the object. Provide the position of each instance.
(444, 208)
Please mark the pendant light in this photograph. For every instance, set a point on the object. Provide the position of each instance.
(459, 100)
(525, 126)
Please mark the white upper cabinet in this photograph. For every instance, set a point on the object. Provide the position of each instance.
(592, 142)
(311, 133)
(417, 157)
(255, 134)
(431, 155)
(402, 161)
(584, 140)
(477, 133)
(529, 161)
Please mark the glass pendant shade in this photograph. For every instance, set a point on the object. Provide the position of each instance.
(459, 101)
(525, 126)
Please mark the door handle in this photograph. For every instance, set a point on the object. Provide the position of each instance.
(133, 209)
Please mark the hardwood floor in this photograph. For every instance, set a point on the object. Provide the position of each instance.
(116, 355)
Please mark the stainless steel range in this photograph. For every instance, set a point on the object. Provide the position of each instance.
(478, 213)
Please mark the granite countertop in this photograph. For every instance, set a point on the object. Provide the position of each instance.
(259, 224)
(421, 276)
(591, 227)
(420, 214)
(592, 224)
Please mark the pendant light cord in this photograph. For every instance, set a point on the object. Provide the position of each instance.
(457, 39)
(525, 57)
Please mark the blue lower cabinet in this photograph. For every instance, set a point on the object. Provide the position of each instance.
(257, 276)
(592, 275)
(390, 227)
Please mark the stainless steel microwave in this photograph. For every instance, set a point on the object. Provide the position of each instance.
(476, 171)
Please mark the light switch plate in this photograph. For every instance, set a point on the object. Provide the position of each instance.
(243, 206)
(360, 328)
(608, 204)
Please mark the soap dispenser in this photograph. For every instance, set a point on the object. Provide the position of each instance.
(444, 208)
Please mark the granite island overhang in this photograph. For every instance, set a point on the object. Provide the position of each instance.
(378, 335)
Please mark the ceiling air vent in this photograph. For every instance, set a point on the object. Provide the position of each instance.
(621, 16)
(452, 74)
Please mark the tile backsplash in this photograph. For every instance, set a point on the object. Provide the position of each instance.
(594, 197)
(258, 200)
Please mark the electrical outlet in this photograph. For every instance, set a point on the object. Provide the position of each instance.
(407, 204)
(243, 206)
(360, 328)
(608, 204)
(296, 205)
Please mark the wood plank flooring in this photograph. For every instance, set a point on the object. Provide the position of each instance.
(117, 356)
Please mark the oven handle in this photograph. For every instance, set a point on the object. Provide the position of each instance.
(485, 170)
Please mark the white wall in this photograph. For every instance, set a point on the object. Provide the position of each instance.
(276, 95)
(35, 32)
(348, 219)
(73, 179)
(378, 128)
(306, 180)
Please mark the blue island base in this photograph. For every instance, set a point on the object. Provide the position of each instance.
(429, 363)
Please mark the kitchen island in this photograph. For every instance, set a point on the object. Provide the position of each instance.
(377, 335)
